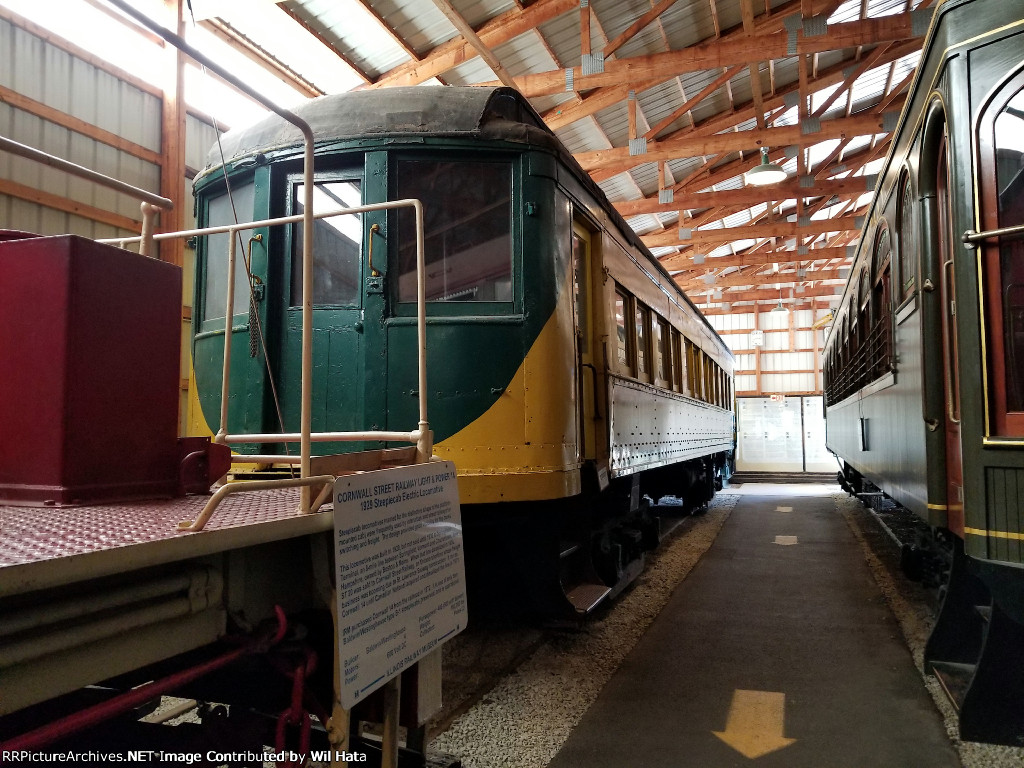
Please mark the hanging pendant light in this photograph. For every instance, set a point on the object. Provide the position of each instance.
(778, 307)
(765, 173)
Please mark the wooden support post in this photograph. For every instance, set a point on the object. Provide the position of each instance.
(392, 701)
(585, 27)
(172, 138)
(817, 349)
(631, 103)
(757, 351)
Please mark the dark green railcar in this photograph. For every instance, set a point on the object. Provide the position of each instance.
(924, 365)
(568, 375)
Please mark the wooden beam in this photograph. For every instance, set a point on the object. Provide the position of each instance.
(603, 98)
(316, 33)
(765, 278)
(767, 295)
(636, 27)
(788, 190)
(609, 95)
(585, 29)
(780, 257)
(172, 137)
(389, 30)
(77, 125)
(618, 159)
(498, 30)
(263, 59)
(753, 68)
(78, 52)
(67, 205)
(723, 53)
(753, 232)
(468, 33)
(689, 104)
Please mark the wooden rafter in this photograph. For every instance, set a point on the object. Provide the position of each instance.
(755, 232)
(746, 196)
(221, 29)
(302, 22)
(469, 34)
(638, 25)
(389, 30)
(767, 295)
(780, 257)
(722, 53)
(618, 159)
(498, 30)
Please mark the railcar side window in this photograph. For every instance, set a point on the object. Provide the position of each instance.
(1001, 139)
(907, 241)
(643, 332)
(218, 213)
(880, 350)
(624, 340)
(467, 211)
(337, 245)
(662, 353)
(678, 373)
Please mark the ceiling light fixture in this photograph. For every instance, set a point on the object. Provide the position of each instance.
(765, 173)
(778, 307)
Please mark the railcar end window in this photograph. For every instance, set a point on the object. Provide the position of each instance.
(337, 245)
(219, 213)
(467, 211)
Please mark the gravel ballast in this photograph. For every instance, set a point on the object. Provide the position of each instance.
(525, 719)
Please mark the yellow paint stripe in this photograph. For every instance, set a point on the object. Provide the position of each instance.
(937, 506)
(1012, 535)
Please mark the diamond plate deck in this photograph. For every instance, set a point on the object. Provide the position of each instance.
(46, 546)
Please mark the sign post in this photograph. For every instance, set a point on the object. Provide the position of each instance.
(401, 582)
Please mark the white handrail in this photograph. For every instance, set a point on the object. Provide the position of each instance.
(421, 436)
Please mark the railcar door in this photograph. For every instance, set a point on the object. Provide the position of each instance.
(950, 347)
(345, 302)
(249, 377)
(583, 311)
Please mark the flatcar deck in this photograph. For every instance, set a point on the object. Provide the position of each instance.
(778, 647)
(48, 546)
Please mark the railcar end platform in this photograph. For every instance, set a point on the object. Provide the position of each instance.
(44, 547)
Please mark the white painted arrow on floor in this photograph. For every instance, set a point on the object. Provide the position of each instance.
(755, 724)
(783, 509)
(786, 541)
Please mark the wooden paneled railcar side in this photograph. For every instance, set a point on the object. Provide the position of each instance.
(925, 359)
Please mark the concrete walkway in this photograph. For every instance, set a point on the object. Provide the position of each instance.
(777, 650)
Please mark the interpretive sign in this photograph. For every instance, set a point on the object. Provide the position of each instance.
(401, 578)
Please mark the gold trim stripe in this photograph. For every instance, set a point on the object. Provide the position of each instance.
(937, 506)
(1013, 536)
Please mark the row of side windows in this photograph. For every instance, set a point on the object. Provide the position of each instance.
(651, 350)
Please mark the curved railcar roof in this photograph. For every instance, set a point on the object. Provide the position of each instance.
(450, 111)
(495, 113)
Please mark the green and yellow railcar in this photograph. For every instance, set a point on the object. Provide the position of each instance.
(568, 375)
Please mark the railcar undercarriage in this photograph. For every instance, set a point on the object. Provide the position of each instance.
(974, 647)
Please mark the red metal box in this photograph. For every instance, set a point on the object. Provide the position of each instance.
(90, 341)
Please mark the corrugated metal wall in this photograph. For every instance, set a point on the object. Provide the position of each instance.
(40, 76)
(786, 358)
(52, 77)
